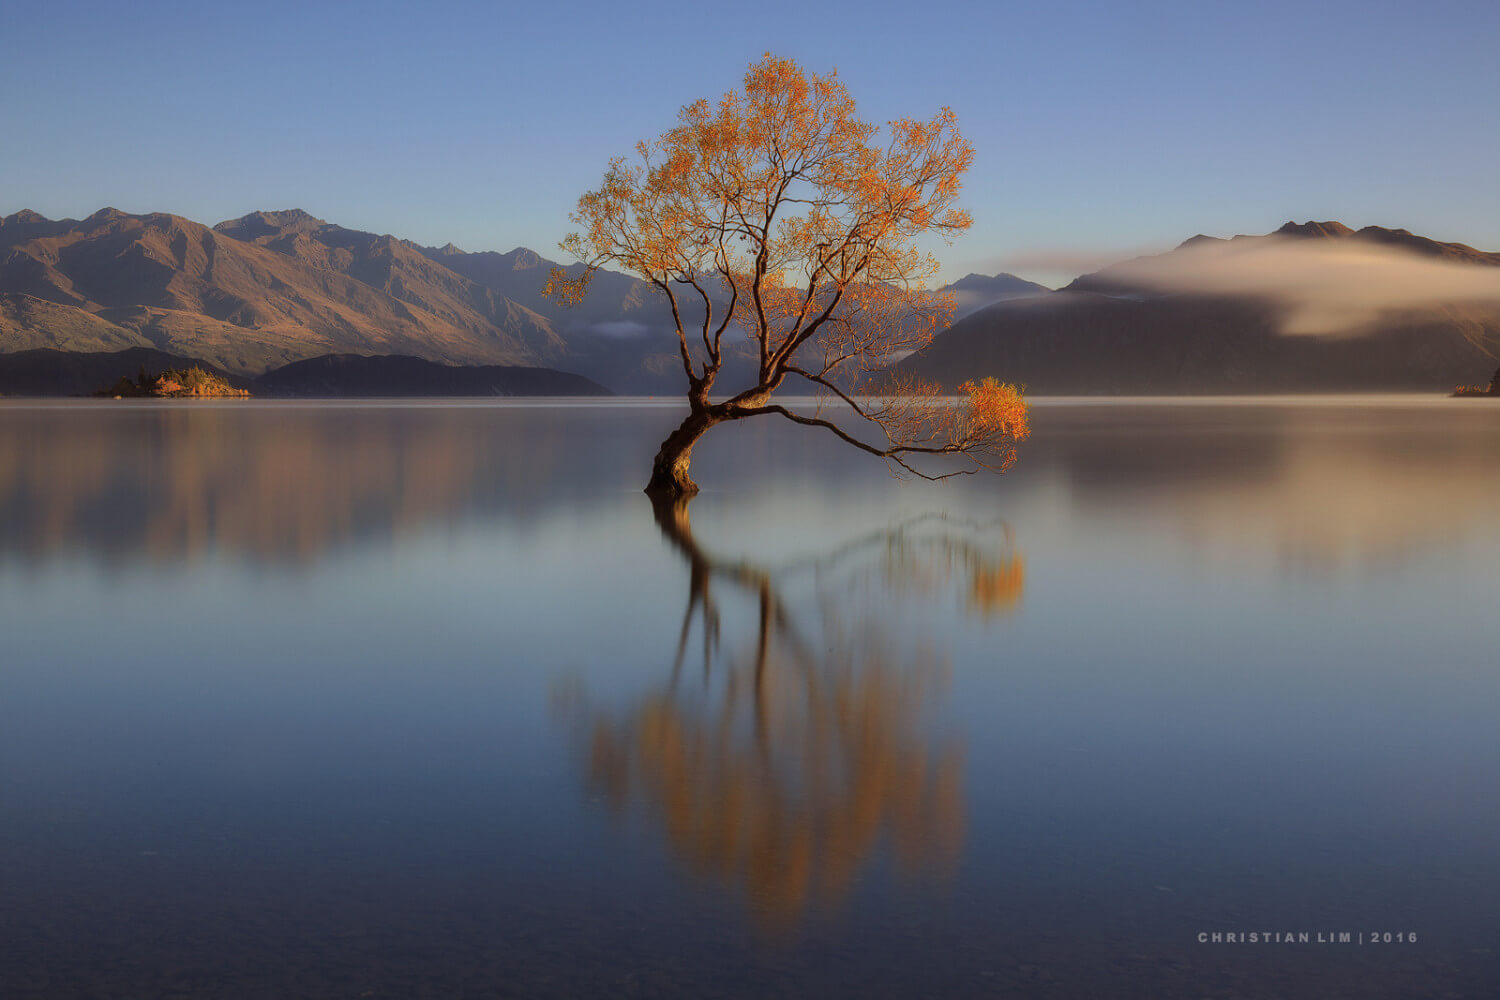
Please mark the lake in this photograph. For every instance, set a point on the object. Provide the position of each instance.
(399, 699)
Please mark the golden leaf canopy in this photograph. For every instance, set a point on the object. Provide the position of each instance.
(778, 212)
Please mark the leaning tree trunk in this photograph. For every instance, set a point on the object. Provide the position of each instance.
(669, 470)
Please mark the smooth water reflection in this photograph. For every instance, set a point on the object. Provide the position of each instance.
(402, 700)
(797, 748)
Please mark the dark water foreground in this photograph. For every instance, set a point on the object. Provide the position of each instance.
(426, 701)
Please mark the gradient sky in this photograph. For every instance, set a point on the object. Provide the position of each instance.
(1105, 128)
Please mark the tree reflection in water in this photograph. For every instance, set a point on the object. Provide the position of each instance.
(801, 751)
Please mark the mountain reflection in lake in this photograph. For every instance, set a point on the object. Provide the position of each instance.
(404, 699)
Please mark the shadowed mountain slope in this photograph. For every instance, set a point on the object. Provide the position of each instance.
(115, 280)
(395, 375)
(1107, 333)
(50, 372)
(399, 269)
(621, 334)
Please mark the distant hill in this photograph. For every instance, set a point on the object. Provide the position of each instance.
(394, 375)
(521, 275)
(50, 372)
(622, 334)
(1104, 333)
(973, 292)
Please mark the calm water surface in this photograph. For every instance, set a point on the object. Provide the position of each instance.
(407, 700)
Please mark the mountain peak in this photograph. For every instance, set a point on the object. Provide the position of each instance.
(1332, 230)
(106, 214)
(258, 224)
(448, 250)
(1003, 284)
(976, 291)
(286, 217)
(522, 259)
(24, 217)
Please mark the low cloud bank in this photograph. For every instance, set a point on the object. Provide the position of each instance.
(1327, 286)
(965, 301)
(1062, 260)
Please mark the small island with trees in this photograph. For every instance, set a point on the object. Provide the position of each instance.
(189, 383)
(1478, 390)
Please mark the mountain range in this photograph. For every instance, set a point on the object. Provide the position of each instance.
(1114, 331)
(257, 292)
(267, 289)
(249, 294)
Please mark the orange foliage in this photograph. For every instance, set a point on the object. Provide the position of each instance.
(789, 791)
(921, 562)
(997, 589)
(997, 405)
(777, 214)
(802, 751)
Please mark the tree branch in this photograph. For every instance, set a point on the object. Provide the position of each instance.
(682, 343)
(895, 453)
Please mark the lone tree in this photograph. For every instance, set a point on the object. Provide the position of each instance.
(775, 213)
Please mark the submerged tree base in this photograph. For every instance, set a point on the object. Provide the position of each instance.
(669, 469)
(668, 488)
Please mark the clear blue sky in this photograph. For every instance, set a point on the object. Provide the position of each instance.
(1100, 127)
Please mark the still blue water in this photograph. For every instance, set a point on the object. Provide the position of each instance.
(409, 700)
